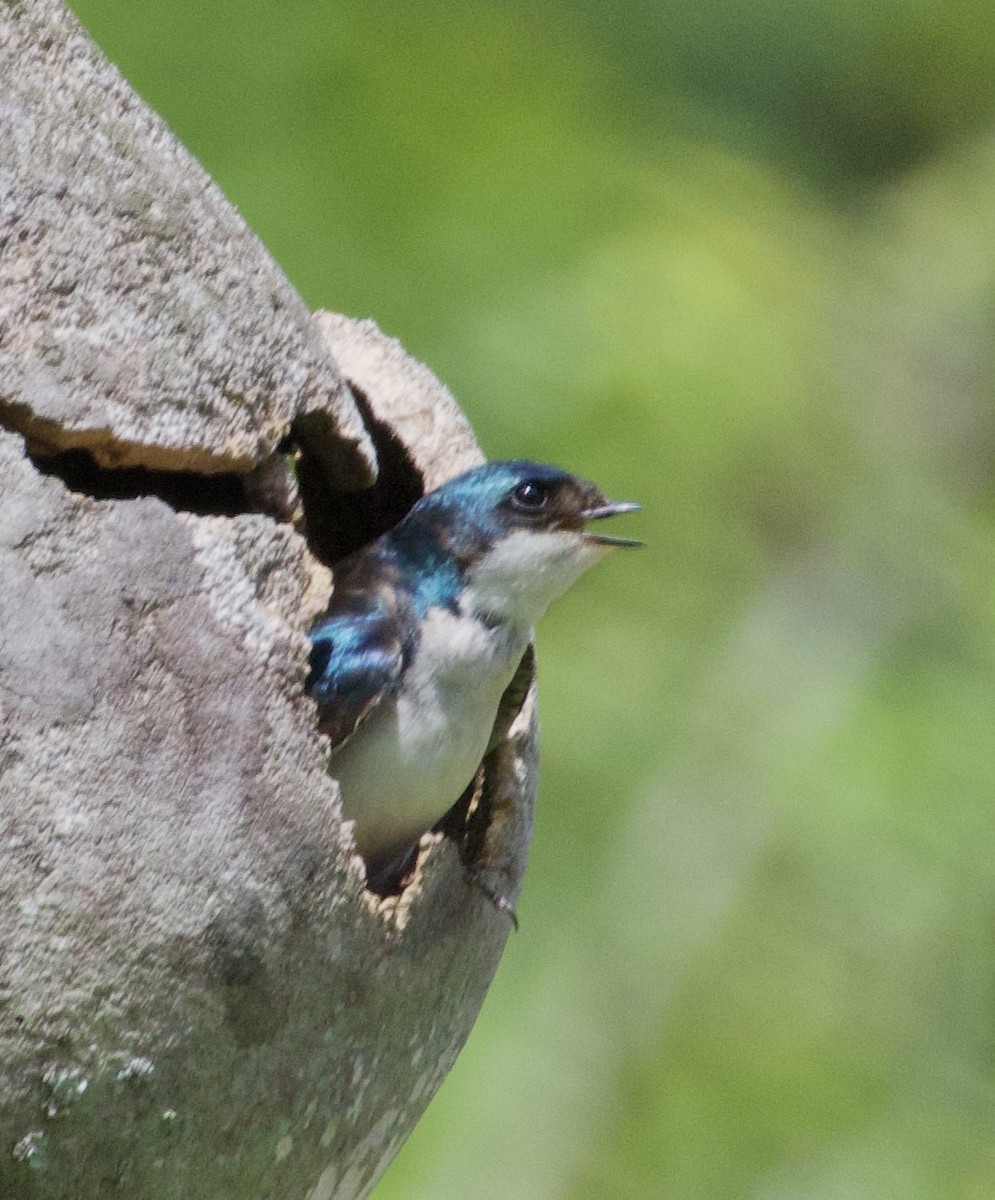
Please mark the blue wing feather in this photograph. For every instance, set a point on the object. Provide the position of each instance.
(356, 660)
(361, 647)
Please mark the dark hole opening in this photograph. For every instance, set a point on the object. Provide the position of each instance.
(338, 522)
(222, 495)
(296, 484)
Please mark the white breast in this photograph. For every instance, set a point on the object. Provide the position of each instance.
(411, 759)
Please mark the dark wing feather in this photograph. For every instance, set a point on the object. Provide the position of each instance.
(356, 660)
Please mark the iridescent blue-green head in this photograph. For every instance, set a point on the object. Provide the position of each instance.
(516, 531)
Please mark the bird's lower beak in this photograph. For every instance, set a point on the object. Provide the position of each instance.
(610, 508)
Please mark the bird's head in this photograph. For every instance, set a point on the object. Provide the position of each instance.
(519, 531)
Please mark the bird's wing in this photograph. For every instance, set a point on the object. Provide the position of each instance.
(356, 661)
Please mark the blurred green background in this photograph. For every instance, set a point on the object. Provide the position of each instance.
(735, 260)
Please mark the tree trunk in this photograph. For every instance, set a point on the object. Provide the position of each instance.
(198, 997)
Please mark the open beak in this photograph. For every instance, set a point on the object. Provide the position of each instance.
(610, 508)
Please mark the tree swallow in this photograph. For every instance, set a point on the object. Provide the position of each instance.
(426, 628)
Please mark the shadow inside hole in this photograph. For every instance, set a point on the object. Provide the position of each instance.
(337, 523)
(224, 494)
(297, 484)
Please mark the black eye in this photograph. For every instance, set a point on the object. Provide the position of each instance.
(531, 497)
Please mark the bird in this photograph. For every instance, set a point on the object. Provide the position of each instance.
(424, 632)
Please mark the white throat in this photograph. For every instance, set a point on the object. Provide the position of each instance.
(519, 576)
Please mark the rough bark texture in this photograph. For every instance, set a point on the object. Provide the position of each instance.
(198, 998)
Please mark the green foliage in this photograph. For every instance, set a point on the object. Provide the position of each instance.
(735, 261)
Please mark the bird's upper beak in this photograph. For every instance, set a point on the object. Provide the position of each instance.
(609, 508)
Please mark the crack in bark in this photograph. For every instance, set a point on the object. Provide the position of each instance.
(223, 494)
(294, 485)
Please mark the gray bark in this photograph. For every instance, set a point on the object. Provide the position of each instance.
(198, 997)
